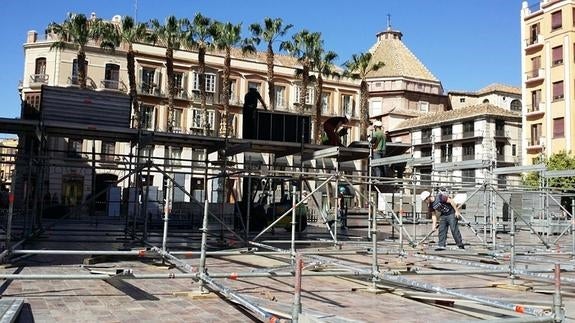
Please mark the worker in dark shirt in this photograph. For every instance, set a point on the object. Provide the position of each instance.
(249, 114)
(333, 130)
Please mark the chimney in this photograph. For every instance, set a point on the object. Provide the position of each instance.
(32, 36)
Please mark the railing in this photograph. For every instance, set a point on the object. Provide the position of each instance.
(500, 133)
(500, 158)
(210, 97)
(535, 74)
(113, 85)
(469, 134)
(446, 136)
(149, 89)
(182, 94)
(468, 157)
(446, 159)
(39, 78)
(425, 139)
(533, 42)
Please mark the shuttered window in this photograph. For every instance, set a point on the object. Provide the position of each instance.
(556, 22)
(558, 90)
(558, 128)
(557, 55)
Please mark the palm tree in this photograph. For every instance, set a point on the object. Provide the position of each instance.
(303, 47)
(228, 36)
(358, 67)
(323, 63)
(201, 38)
(171, 35)
(128, 32)
(271, 30)
(77, 30)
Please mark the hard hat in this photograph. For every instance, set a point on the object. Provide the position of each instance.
(377, 124)
(342, 189)
(424, 195)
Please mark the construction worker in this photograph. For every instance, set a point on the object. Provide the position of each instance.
(448, 217)
(377, 139)
(333, 131)
(249, 113)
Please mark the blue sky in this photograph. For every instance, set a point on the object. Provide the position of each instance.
(466, 44)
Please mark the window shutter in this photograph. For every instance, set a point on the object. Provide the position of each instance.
(556, 20)
(557, 55)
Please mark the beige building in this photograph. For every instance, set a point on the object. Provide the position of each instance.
(403, 88)
(548, 35)
(8, 149)
(107, 71)
(503, 96)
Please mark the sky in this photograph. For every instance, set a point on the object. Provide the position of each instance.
(466, 44)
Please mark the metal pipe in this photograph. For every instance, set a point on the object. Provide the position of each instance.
(293, 222)
(166, 217)
(204, 242)
(296, 309)
(512, 255)
(558, 310)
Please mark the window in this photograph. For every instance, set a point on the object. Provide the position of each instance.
(468, 176)
(558, 90)
(516, 104)
(178, 120)
(446, 153)
(112, 76)
(535, 100)
(556, 22)
(446, 132)
(74, 78)
(426, 152)
(533, 33)
(210, 82)
(500, 148)
(174, 155)
(486, 101)
(40, 71)
(309, 95)
(423, 106)
(147, 151)
(325, 103)
(74, 148)
(148, 80)
(558, 128)
(108, 150)
(280, 93)
(468, 129)
(197, 119)
(468, 151)
(233, 95)
(461, 100)
(513, 150)
(535, 66)
(535, 134)
(426, 135)
(147, 116)
(557, 55)
(347, 104)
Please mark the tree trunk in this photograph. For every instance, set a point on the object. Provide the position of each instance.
(202, 79)
(81, 68)
(225, 123)
(364, 111)
(130, 57)
(303, 90)
(171, 87)
(270, 63)
(318, 110)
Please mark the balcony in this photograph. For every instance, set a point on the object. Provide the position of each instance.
(468, 157)
(469, 134)
(113, 85)
(445, 137)
(36, 80)
(501, 133)
(211, 97)
(149, 89)
(425, 139)
(182, 94)
(535, 145)
(534, 76)
(534, 44)
(535, 110)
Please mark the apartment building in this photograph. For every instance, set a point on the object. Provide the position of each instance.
(8, 150)
(457, 146)
(501, 95)
(107, 71)
(548, 89)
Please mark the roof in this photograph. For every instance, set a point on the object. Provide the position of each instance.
(491, 88)
(458, 114)
(398, 59)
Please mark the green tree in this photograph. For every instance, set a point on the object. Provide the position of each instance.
(77, 31)
(558, 161)
(226, 37)
(358, 67)
(323, 63)
(128, 32)
(270, 32)
(170, 35)
(201, 38)
(303, 47)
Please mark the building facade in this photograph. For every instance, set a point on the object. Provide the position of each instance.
(8, 150)
(548, 90)
(107, 71)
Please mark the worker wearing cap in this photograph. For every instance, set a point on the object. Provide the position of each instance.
(333, 130)
(249, 124)
(448, 217)
(377, 139)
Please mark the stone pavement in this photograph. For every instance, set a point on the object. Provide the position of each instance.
(333, 299)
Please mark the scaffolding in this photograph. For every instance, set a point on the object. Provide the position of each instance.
(223, 231)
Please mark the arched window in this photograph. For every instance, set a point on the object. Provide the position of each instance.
(40, 70)
(515, 105)
(486, 101)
